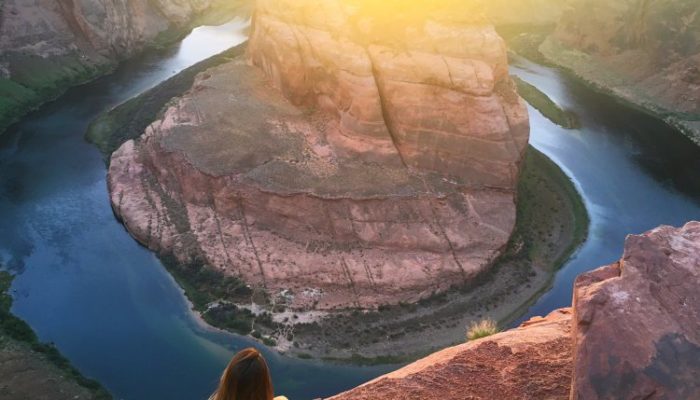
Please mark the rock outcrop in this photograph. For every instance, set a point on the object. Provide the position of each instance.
(637, 322)
(430, 82)
(646, 52)
(48, 45)
(363, 159)
(530, 362)
(633, 333)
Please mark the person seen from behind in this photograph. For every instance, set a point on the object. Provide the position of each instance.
(246, 377)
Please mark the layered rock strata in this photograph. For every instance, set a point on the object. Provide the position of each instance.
(646, 52)
(343, 168)
(49, 45)
(632, 334)
(433, 90)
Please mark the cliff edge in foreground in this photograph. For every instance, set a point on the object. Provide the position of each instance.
(633, 333)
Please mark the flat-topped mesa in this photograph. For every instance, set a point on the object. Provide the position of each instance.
(429, 80)
(357, 160)
(93, 32)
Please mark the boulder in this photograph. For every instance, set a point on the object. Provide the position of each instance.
(637, 322)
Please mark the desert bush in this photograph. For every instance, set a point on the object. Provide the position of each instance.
(481, 329)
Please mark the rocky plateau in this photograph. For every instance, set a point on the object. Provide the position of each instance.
(349, 160)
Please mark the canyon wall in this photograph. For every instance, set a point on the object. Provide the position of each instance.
(355, 157)
(645, 52)
(47, 46)
(632, 333)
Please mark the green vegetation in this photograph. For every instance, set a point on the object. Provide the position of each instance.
(482, 329)
(525, 39)
(548, 205)
(212, 294)
(130, 119)
(13, 328)
(13, 99)
(545, 105)
(36, 80)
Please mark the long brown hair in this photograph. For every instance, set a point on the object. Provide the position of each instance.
(246, 377)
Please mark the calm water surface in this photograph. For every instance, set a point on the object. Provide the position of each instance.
(633, 171)
(84, 284)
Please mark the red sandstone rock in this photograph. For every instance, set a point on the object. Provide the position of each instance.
(336, 171)
(634, 333)
(236, 175)
(637, 322)
(435, 88)
(530, 362)
(86, 32)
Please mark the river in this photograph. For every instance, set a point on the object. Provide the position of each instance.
(108, 304)
(633, 171)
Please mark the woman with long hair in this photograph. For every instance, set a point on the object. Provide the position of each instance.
(246, 377)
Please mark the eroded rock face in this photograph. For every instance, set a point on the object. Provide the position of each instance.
(335, 173)
(88, 29)
(647, 52)
(47, 46)
(238, 175)
(637, 322)
(530, 362)
(435, 88)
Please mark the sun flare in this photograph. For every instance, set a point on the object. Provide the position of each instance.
(378, 21)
